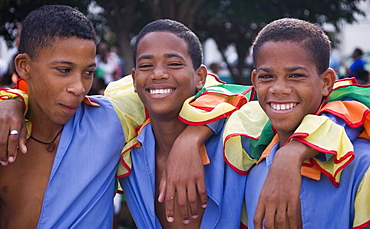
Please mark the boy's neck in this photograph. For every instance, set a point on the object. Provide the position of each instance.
(42, 127)
(283, 138)
(166, 133)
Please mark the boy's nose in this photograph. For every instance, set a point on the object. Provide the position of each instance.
(280, 87)
(76, 87)
(159, 73)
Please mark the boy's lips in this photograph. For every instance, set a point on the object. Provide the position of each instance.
(282, 106)
(70, 108)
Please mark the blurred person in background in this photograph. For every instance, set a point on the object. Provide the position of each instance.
(357, 65)
(107, 66)
(8, 74)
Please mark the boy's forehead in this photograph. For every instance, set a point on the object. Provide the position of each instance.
(164, 38)
(162, 42)
(290, 52)
(61, 49)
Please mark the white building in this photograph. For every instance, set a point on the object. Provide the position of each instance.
(356, 34)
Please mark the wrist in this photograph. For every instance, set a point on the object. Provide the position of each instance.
(297, 151)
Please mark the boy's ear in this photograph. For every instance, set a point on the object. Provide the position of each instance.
(22, 65)
(133, 78)
(254, 78)
(201, 73)
(327, 81)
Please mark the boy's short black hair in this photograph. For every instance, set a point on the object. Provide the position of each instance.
(314, 40)
(166, 25)
(44, 25)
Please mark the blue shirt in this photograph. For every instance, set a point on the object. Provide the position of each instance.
(322, 204)
(82, 180)
(224, 186)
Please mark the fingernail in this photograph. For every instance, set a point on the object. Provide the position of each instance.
(195, 216)
(11, 159)
(185, 221)
(3, 163)
(170, 219)
(204, 205)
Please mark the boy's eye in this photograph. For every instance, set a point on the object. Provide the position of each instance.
(175, 64)
(143, 66)
(266, 76)
(64, 70)
(89, 73)
(296, 76)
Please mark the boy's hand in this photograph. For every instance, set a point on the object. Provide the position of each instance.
(184, 175)
(279, 203)
(11, 122)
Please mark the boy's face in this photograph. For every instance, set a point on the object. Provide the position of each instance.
(164, 76)
(288, 85)
(59, 77)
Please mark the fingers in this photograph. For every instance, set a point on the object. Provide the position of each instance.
(23, 140)
(294, 215)
(182, 204)
(4, 133)
(192, 201)
(8, 145)
(281, 218)
(169, 202)
(12, 145)
(259, 215)
(162, 187)
(13, 136)
(202, 191)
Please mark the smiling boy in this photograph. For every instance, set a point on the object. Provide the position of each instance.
(292, 78)
(168, 70)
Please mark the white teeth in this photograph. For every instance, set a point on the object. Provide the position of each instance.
(285, 106)
(159, 91)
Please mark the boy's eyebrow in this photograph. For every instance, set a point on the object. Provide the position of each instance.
(145, 57)
(291, 69)
(72, 64)
(167, 55)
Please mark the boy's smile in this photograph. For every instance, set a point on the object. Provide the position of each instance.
(288, 85)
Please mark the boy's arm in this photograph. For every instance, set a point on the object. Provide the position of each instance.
(12, 108)
(185, 151)
(279, 201)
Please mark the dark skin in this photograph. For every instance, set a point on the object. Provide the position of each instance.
(20, 197)
(67, 68)
(167, 66)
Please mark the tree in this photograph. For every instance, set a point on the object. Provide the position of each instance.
(12, 12)
(127, 17)
(229, 22)
(237, 22)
